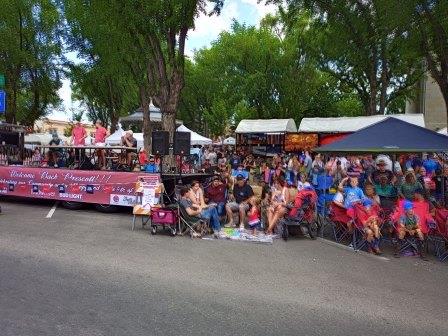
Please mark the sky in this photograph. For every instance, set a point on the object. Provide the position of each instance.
(207, 30)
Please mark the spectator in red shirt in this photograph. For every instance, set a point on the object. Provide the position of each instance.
(79, 134)
(216, 193)
(100, 140)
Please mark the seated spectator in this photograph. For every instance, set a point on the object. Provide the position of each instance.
(371, 226)
(279, 201)
(409, 186)
(151, 166)
(241, 194)
(352, 193)
(409, 224)
(254, 215)
(339, 199)
(216, 193)
(381, 171)
(203, 212)
(387, 194)
(196, 194)
(240, 171)
(369, 191)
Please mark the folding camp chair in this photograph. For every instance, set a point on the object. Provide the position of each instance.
(439, 235)
(340, 222)
(427, 223)
(360, 216)
(195, 226)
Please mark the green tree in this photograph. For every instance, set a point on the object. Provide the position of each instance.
(362, 46)
(147, 37)
(427, 23)
(30, 58)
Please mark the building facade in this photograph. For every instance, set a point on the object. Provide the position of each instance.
(430, 103)
(46, 125)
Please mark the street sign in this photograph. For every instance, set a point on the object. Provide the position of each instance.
(2, 81)
(2, 101)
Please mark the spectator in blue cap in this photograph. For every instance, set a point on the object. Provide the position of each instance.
(409, 224)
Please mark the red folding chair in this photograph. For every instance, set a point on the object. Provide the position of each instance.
(340, 222)
(439, 234)
(421, 209)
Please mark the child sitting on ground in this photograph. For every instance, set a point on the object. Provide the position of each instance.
(254, 215)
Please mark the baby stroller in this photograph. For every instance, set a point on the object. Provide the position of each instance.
(302, 214)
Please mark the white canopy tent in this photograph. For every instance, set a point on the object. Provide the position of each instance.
(353, 124)
(229, 141)
(196, 139)
(115, 138)
(266, 126)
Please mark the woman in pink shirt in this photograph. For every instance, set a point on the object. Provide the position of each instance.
(100, 140)
(79, 134)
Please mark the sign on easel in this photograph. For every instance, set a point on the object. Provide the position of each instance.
(149, 190)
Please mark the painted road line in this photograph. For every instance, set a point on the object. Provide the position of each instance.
(347, 248)
(52, 210)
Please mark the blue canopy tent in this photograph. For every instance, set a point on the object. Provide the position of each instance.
(389, 136)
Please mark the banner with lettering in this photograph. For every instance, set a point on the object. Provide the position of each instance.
(100, 187)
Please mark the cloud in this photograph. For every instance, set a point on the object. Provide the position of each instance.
(208, 28)
(261, 8)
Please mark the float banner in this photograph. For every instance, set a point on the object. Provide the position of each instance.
(100, 187)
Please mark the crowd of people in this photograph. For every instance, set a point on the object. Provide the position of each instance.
(254, 192)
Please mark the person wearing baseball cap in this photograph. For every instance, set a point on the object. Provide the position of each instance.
(409, 224)
(240, 197)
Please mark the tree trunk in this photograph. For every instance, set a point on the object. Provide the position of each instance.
(147, 126)
(169, 125)
(113, 122)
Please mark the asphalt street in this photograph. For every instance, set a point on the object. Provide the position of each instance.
(86, 273)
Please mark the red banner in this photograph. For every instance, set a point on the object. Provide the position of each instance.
(100, 187)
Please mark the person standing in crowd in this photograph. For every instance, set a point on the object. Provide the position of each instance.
(100, 141)
(79, 134)
(235, 160)
(54, 153)
(212, 157)
(338, 173)
(216, 193)
(307, 163)
(241, 194)
(128, 140)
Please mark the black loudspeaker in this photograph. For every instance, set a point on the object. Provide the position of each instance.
(182, 143)
(160, 143)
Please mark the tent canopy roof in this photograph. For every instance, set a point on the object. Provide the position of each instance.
(353, 124)
(390, 135)
(266, 126)
(196, 139)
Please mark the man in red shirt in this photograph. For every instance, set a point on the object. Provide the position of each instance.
(216, 193)
(100, 140)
